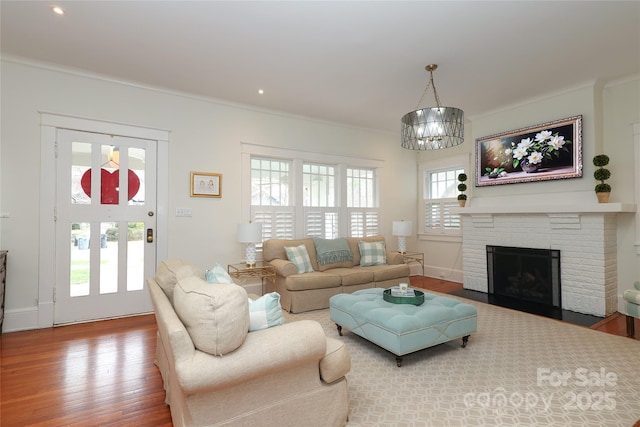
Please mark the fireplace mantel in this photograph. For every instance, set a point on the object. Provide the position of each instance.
(542, 208)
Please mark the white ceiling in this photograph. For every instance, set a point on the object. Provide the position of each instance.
(360, 63)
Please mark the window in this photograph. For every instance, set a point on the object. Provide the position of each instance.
(269, 182)
(319, 200)
(362, 202)
(295, 194)
(439, 189)
(270, 201)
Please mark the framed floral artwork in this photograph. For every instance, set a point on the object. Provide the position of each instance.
(547, 151)
(205, 184)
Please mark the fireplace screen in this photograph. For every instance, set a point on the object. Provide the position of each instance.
(524, 274)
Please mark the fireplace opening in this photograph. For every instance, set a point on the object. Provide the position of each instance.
(524, 275)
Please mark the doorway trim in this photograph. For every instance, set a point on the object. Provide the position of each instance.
(49, 123)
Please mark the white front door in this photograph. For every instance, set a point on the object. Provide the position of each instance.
(105, 225)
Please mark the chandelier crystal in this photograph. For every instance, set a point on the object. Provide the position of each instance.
(432, 128)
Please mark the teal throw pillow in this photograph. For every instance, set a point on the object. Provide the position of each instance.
(265, 312)
(217, 275)
(372, 253)
(300, 257)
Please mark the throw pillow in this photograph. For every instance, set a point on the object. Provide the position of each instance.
(300, 257)
(216, 317)
(265, 312)
(218, 275)
(372, 253)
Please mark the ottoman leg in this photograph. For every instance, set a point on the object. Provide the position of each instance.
(339, 329)
(398, 361)
(465, 340)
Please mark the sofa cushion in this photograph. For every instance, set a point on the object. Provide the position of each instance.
(218, 275)
(353, 276)
(300, 257)
(216, 317)
(265, 312)
(372, 253)
(387, 272)
(315, 280)
(166, 274)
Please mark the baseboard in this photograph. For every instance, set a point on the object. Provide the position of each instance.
(443, 273)
(20, 320)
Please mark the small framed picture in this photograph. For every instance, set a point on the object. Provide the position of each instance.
(204, 184)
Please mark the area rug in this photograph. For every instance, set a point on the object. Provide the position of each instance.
(519, 369)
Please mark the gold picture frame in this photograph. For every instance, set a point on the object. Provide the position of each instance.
(205, 184)
(504, 158)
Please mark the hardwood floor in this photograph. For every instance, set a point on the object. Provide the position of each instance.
(90, 374)
(102, 373)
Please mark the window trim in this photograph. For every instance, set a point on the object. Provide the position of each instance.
(462, 160)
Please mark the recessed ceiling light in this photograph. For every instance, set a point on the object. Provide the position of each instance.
(58, 10)
(260, 92)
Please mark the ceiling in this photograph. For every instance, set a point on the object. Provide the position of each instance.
(358, 63)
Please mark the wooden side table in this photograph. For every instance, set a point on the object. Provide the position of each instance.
(410, 257)
(261, 270)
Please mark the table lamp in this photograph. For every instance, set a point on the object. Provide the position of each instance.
(402, 229)
(250, 234)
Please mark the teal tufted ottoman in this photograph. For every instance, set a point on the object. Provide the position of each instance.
(403, 328)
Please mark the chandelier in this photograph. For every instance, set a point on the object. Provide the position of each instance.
(435, 127)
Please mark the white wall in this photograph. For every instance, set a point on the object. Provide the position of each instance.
(205, 135)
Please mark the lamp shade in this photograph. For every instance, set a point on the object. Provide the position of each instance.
(402, 228)
(432, 128)
(250, 233)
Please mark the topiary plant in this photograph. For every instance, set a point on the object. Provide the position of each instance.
(601, 174)
(462, 187)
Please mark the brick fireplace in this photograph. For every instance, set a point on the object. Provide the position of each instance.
(585, 236)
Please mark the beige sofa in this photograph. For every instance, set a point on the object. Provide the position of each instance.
(287, 375)
(311, 291)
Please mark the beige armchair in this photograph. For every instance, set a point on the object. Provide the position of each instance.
(217, 373)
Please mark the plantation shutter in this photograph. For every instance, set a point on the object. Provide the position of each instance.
(363, 223)
(277, 222)
(438, 217)
(321, 223)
